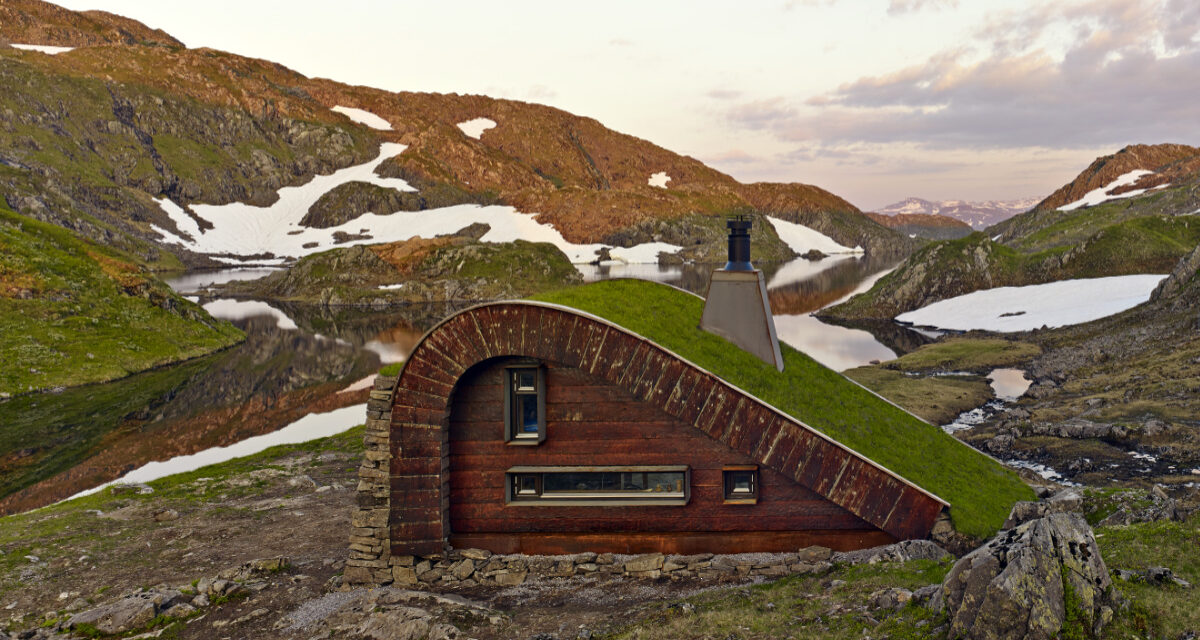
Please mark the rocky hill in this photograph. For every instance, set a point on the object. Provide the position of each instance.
(98, 133)
(978, 214)
(1132, 223)
(924, 225)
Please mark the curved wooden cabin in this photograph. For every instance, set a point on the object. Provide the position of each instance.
(533, 428)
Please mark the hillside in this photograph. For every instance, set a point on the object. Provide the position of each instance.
(979, 214)
(923, 225)
(1144, 224)
(98, 133)
(72, 312)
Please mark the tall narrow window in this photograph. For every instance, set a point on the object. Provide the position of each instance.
(525, 405)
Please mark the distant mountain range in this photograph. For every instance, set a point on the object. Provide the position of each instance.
(979, 214)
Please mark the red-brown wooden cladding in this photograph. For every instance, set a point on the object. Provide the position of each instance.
(615, 398)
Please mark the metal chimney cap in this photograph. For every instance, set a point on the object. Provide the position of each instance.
(739, 243)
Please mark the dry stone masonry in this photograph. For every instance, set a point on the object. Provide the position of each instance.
(370, 554)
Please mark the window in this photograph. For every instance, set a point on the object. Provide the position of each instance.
(562, 486)
(741, 484)
(525, 405)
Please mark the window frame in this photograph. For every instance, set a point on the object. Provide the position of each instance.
(512, 474)
(732, 496)
(511, 435)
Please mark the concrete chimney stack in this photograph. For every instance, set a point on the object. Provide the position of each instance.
(737, 307)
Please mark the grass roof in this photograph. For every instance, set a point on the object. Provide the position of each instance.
(980, 490)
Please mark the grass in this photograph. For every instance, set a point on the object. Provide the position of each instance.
(980, 490)
(966, 354)
(73, 313)
(799, 607)
(938, 399)
(1157, 610)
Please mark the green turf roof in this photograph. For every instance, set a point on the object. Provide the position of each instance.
(980, 490)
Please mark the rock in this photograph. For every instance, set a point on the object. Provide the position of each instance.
(165, 515)
(892, 598)
(648, 562)
(131, 612)
(1157, 492)
(510, 578)
(462, 569)
(1065, 501)
(302, 482)
(898, 552)
(814, 554)
(1013, 587)
(476, 554)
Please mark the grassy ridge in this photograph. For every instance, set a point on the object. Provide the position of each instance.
(73, 313)
(980, 490)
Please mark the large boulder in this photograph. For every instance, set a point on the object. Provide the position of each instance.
(1028, 581)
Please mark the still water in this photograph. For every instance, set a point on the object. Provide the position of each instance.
(300, 375)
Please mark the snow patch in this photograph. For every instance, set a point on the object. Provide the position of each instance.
(361, 116)
(803, 239)
(227, 309)
(245, 230)
(659, 180)
(1097, 196)
(1055, 304)
(388, 287)
(475, 128)
(365, 383)
(43, 48)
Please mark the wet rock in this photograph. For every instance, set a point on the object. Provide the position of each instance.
(1013, 587)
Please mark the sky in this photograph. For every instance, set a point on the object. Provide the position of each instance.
(874, 100)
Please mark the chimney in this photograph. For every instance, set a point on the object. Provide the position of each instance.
(737, 307)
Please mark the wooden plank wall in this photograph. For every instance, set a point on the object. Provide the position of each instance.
(590, 422)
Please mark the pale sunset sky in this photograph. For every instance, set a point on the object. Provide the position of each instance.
(875, 100)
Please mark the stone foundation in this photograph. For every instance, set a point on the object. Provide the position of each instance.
(470, 567)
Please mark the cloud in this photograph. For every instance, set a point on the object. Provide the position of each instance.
(724, 94)
(899, 7)
(1127, 71)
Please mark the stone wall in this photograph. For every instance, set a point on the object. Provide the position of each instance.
(369, 562)
(469, 567)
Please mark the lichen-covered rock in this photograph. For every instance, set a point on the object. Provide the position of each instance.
(1016, 585)
(129, 613)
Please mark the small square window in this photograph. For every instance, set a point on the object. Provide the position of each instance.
(741, 485)
(525, 405)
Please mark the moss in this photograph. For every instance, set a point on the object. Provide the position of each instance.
(980, 490)
(72, 313)
(966, 354)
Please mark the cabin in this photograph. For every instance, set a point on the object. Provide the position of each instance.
(540, 427)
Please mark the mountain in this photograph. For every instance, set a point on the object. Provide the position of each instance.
(978, 214)
(110, 138)
(923, 225)
(1139, 219)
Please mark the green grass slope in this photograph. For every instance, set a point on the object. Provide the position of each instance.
(980, 490)
(73, 313)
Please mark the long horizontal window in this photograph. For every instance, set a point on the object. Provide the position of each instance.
(592, 485)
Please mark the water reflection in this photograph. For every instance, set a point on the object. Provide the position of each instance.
(1009, 384)
(838, 348)
(196, 281)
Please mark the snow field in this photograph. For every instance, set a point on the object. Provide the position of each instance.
(1055, 304)
(802, 239)
(659, 180)
(364, 117)
(475, 128)
(43, 48)
(1097, 196)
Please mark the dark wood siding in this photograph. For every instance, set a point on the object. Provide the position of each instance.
(590, 422)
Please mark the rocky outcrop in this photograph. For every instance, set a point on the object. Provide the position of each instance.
(348, 201)
(1181, 280)
(36, 22)
(1030, 582)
